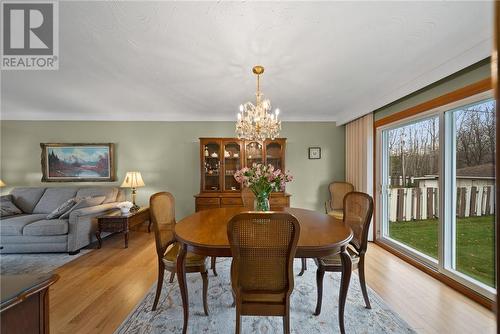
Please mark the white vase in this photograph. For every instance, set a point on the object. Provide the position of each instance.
(125, 210)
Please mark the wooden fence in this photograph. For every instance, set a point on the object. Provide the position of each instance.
(423, 203)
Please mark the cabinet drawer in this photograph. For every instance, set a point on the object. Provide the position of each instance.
(236, 201)
(278, 201)
(205, 207)
(207, 201)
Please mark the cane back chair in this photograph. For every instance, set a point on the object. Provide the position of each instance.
(162, 211)
(358, 209)
(263, 247)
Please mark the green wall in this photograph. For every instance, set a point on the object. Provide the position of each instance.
(167, 154)
(467, 76)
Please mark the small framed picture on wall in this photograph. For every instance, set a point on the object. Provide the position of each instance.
(314, 152)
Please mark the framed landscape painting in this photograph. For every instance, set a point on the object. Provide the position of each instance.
(77, 162)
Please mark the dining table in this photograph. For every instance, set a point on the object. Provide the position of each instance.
(205, 233)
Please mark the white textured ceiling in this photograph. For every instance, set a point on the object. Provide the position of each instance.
(331, 61)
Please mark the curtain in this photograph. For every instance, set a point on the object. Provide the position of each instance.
(359, 156)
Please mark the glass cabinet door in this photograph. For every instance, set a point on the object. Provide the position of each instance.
(232, 162)
(212, 166)
(274, 155)
(254, 153)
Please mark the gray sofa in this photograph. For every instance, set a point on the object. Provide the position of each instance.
(31, 232)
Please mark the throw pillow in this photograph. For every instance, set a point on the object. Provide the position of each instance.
(7, 207)
(62, 209)
(84, 202)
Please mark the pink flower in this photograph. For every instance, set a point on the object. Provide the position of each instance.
(262, 177)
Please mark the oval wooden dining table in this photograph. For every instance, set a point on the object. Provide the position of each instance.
(205, 233)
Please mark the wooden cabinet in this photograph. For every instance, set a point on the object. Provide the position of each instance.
(24, 306)
(220, 158)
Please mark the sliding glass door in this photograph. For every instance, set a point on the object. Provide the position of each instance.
(411, 153)
(436, 190)
(472, 180)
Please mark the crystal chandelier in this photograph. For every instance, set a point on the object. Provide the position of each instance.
(257, 122)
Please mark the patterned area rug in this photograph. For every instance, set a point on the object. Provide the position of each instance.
(168, 316)
(14, 264)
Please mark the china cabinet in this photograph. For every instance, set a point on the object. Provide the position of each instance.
(220, 158)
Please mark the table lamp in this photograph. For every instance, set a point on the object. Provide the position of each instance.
(2, 184)
(133, 180)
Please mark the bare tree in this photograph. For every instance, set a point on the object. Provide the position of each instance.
(413, 149)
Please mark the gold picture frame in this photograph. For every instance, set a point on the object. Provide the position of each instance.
(78, 162)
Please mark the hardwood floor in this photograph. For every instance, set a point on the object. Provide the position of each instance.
(428, 305)
(97, 291)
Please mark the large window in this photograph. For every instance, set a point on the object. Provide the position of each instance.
(437, 185)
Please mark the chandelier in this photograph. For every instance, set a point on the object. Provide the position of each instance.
(258, 122)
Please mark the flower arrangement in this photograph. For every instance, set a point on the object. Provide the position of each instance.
(262, 180)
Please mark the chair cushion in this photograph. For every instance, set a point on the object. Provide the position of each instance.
(339, 214)
(110, 193)
(53, 198)
(191, 258)
(14, 225)
(47, 227)
(263, 297)
(27, 198)
(7, 208)
(334, 260)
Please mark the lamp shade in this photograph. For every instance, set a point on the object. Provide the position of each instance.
(2, 184)
(133, 180)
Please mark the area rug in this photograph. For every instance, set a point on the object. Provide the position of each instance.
(168, 316)
(15, 264)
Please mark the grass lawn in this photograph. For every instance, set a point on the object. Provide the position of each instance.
(474, 239)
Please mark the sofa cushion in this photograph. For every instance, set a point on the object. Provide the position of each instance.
(33, 239)
(7, 208)
(14, 225)
(54, 197)
(27, 198)
(46, 227)
(62, 209)
(83, 203)
(109, 193)
(122, 196)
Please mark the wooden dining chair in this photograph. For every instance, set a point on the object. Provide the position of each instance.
(263, 246)
(162, 211)
(335, 205)
(247, 198)
(358, 209)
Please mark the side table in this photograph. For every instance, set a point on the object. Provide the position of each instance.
(119, 222)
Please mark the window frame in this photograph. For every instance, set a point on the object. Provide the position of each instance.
(441, 269)
(382, 231)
